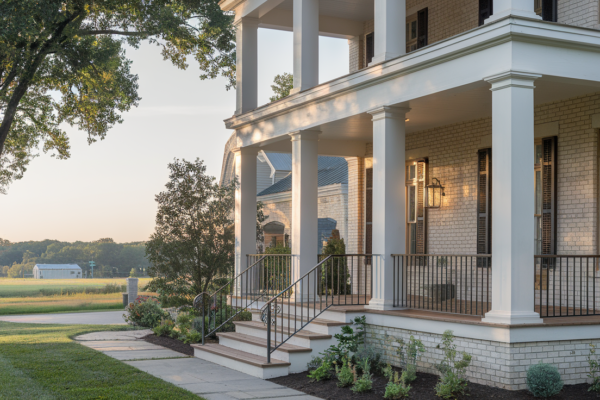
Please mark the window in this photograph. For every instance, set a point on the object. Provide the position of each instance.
(416, 30)
(416, 218)
(484, 202)
(545, 196)
(72, 272)
(547, 9)
(486, 9)
(370, 43)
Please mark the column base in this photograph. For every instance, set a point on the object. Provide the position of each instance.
(512, 318)
(512, 12)
(383, 305)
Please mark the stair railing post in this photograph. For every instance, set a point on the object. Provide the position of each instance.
(268, 334)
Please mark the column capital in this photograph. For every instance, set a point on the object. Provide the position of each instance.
(246, 21)
(245, 151)
(305, 135)
(512, 79)
(388, 112)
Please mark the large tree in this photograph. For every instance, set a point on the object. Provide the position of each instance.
(63, 61)
(193, 242)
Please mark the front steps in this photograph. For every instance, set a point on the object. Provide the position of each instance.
(245, 350)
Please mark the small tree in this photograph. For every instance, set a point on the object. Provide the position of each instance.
(193, 242)
(260, 232)
(283, 84)
(335, 275)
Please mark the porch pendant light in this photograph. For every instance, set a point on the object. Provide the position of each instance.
(435, 192)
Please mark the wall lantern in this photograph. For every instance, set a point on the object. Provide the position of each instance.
(435, 192)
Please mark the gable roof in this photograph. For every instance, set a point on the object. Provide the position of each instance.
(280, 161)
(332, 170)
(58, 266)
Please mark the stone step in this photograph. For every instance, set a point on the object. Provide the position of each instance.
(317, 325)
(242, 361)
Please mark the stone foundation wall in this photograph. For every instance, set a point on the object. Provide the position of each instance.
(496, 364)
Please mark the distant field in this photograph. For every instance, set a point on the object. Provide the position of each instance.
(33, 296)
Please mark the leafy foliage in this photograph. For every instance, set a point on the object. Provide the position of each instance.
(282, 85)
(368, 353)
(165, 328)
(594, 373)
(543, 380)
(365, 382)
(63, 61)
(193, 240)
(323, 372)
(335, 275)
(344, 374)
(409, 354)
(453, 381)
(397, 387)
(145, 311)
(349, 341)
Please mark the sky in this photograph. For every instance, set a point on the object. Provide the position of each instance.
(107, 189)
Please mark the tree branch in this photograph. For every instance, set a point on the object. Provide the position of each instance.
(110, 32)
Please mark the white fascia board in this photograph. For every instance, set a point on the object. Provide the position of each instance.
(324, 191)
(253, 8)
(266, 157)
(334, 148)
(328, 26)
(463, 59)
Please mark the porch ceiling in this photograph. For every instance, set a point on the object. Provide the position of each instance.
(357, 10)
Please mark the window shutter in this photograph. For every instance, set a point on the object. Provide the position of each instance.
(421, 239)
(422, 23)
(370, 47)
(549, 196)
(484, 202)
(486, 9)
(549, 10)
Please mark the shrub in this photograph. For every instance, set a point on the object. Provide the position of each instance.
(365, 382)
(368, 353)
(594, 369)
(409, 355)
(396, 387)
(165, 328)
(349, 341)
(543, 380)
(314, 363)
(192, 337)
(345, 375)
(145, 311)
(322, 373)
(453, 381)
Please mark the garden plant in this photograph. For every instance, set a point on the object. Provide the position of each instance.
(364, 383)
(594, 373)
(345, 374)
(145, 311)
(397, 387)
(409, 354)
(453, 381)
(543, 380)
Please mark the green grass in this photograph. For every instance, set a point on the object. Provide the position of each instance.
(41, 308)
(42, 362)
(30, 287)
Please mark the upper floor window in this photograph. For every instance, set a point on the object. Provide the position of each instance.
(416, 30)
(547, 9)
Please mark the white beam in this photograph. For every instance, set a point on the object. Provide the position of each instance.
(513, 195)
(328, 26)
(390, 31)
(389, 200)
(306, 44)
(246, 65)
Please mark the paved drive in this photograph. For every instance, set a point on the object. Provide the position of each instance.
(204, 378)
(87, 318)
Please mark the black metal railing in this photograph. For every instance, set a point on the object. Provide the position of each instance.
(337, 280)
(567, 286)
(273, 273)
(459, 284)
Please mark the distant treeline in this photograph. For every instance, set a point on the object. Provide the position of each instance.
(112, 259)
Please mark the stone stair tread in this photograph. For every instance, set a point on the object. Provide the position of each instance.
(316, 321)
(241, 356)
(287, 348)
(302, 333)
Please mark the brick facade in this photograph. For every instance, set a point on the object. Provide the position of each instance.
(496, 364)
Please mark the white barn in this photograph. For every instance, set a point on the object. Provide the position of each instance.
(57, 271)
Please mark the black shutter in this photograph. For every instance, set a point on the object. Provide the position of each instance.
(423, 26)
(549, 196)
(549, 10)
(486, 9)
(370, 47)
(484, 202)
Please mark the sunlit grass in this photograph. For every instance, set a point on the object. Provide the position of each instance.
(31, 287)
(42, 362)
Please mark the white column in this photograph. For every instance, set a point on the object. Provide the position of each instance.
(245, 207)
(519, 8)
(306, 44)
(390, 30)
(512, 199)
(246, 64)
(304, 204)
(389, 200)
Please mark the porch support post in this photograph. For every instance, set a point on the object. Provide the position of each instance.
(306, 44)
(389, 200)
(519, 8)
(304, 207)
(246, 64)
(390, 30)
(513, 199)
(245, 209)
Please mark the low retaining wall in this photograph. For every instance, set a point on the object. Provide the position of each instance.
(498, 364)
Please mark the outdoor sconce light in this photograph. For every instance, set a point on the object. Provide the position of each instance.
(435, 192)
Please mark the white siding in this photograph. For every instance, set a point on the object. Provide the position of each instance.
(263, 176)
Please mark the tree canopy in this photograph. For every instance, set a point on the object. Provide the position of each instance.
(63, 61)
(282, 85)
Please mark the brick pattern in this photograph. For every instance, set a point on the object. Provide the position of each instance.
(496, 364)
(356, 207)
(584, 13)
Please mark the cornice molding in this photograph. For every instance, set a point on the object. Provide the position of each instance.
(512, 79)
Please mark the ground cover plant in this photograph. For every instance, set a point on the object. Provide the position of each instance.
(33, 296)
(42, 362)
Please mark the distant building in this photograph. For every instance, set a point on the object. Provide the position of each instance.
(57, 271)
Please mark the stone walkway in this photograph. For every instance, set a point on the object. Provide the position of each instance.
(211, 381)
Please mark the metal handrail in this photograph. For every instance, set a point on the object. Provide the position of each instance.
(199, 301)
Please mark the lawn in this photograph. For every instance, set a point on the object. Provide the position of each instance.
(42, 362)
(33, 296)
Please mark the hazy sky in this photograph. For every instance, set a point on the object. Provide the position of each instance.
(107, 189)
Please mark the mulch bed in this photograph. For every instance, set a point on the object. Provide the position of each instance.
(421, 389)
(173, 344)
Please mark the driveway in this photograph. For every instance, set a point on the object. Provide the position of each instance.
(86, 318)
